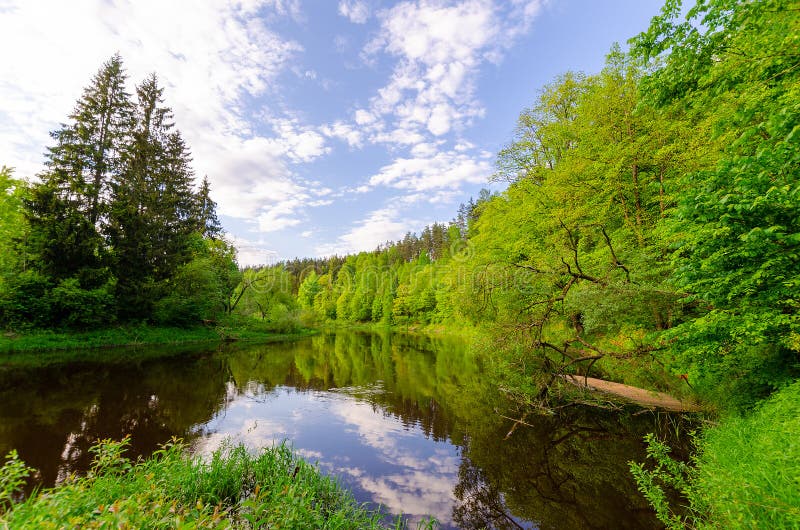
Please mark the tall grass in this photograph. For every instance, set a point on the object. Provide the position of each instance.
(746, 473)
(232, 488)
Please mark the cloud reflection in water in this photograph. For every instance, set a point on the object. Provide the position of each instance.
(377, 456)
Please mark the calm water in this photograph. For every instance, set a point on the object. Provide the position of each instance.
(409, 423)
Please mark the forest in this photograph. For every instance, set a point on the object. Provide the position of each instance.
(648, 233)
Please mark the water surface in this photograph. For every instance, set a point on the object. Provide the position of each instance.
(409, 423)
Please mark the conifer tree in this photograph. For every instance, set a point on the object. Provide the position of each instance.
(206, 213)
(66, 210)
(153, 205)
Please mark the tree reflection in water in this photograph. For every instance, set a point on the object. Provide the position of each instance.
(409, 421)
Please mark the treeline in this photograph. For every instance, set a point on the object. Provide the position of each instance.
(651, 219)
(413, 280)
(115, 229)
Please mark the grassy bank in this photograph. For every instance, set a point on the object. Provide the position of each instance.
(413, 328)
(126, 343)
(271, 489)
(746, 473)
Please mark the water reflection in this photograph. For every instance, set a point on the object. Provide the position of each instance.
(377, 455)
(406, 422)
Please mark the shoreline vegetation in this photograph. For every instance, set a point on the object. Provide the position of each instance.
(230, 488)
(43, 347)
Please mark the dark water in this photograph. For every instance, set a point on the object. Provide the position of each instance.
(406, 422)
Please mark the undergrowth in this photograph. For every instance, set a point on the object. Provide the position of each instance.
(230, 489)
(746, 473)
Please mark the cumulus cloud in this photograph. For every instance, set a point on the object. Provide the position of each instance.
(356, 10)
(343, 131)
(300, 143)
(439, 47)
(379, 226)
(431, 170)
(253, 252)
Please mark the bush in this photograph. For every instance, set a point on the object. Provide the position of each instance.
(194, 295)
(77, 308)
(32, 301)
(281, 320)
(25, 303)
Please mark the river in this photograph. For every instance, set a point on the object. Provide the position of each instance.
(407, 422)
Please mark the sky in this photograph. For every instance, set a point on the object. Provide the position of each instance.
(324, 126)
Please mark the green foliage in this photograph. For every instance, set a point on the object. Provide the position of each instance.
(31, 300)
(24, 302)
(666, 472)
(308, 290)
(12, 223)
(74, 307)
(12, 479)
(231, 488)
(746, 473)
(736, 232)
(201, 289)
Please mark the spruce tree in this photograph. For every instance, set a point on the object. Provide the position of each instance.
(154, 207)
(206, 212)
(67, 209)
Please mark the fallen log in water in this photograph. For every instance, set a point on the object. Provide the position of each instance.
(640, 396)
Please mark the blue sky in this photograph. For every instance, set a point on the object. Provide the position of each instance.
(324, 126)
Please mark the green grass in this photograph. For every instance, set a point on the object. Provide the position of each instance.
(120, 344)
(232, 488)
(746, 473)
(104, 338)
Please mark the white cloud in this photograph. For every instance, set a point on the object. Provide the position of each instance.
(444, 169)
(300, 143)
(281, 7)
(252, 253)
(288, 206)
(343, 131)
(439, 47)
(356, 10)
(398, 136)
(380, 226)
(363, 117)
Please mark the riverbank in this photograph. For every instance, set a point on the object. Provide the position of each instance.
(416, 328)
(232, 487)
(127, 342)
(744, 474)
